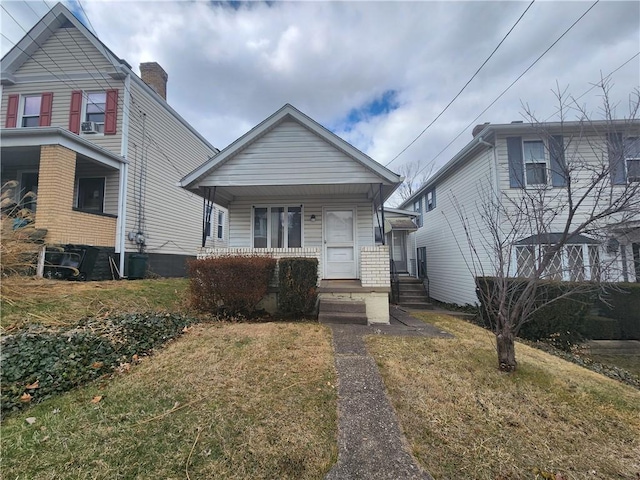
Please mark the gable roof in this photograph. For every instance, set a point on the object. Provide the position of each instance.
(58, 17)
(288, 112)
(487, 134)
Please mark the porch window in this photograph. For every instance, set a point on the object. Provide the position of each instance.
(277, 227)
(220, 225)
(575, 263)
(91, 194)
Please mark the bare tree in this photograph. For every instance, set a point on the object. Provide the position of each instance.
(414, 177)
(526, 232)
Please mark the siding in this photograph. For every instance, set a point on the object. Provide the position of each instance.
(240, 218)
(67, 51)
(289, 154)
(451, 280)
(171, 217)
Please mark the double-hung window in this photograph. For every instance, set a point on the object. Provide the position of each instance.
(277, 227)
(220, 233)
(31, 111)
(430, 200)
(95, 108)
(417, 207)
(535, 162)
(632, 158)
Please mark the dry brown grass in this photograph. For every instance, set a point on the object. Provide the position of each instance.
(465, 419)
(229, 401)
(59, 303)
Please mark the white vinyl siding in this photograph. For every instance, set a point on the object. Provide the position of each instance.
(172, 216)
(451, 279)
(240, 214)
(270, 160)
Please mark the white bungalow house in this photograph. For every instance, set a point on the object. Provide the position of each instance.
(293, 188)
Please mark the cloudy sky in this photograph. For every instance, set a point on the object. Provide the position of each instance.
(375, 73)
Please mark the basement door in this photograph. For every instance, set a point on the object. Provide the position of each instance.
(339, 244)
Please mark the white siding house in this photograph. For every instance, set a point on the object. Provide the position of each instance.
(102, 147)
(510, 163)
(292, 188)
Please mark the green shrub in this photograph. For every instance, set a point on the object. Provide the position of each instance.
(601, 328)
(53, 362)
(230, 285)
(560, 322)
(297, 278)
(622, 302)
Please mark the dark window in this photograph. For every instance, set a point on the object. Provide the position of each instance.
(220, 225)
(535, 163)
(632, 157)
(91, 194)
(31, 111)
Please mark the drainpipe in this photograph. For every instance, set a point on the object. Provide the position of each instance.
(124, 174)
(382, 210)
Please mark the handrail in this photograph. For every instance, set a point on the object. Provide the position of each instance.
(395, 282)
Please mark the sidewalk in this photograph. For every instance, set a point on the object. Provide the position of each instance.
(370, 442)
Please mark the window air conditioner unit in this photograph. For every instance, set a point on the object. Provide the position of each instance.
(89, 127)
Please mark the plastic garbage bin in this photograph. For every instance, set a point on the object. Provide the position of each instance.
(137, 266)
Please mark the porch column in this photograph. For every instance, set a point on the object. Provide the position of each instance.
(54, 202)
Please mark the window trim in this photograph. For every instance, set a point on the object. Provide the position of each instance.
(628, 158)
(220, 225)
(77, 196)
(420, 211)
(546, 162)
(83, 111)
(22, 104)
(286, 224)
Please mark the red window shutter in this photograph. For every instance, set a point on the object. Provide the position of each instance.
(75, 111)
(45, 109)
(12, 111)
(111, 113)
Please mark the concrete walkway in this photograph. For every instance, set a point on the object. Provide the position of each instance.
(370, 442)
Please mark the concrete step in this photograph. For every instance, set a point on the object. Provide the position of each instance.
(345, 306)
(343, 318)
(414, 296)
(409, 280)
(411, 287)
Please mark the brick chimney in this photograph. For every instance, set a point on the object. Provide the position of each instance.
(154, 75)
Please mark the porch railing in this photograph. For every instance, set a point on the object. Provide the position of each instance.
(395, 282)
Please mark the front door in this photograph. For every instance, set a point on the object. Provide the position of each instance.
(339, 244)
(399, 250)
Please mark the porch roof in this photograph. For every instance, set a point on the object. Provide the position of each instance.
(38, 136)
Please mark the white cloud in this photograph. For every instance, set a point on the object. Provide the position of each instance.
(229, 68)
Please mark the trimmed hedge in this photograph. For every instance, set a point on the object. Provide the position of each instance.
(297, 278)
(561, 323)
(601, 328)
(229, 285)
(623, 304)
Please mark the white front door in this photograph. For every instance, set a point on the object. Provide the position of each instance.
(339, 243)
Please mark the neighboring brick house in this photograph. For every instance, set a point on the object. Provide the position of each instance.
(317, 198)
(508, 160)
(102, 148)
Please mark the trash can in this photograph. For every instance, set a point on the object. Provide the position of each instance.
(137, 266)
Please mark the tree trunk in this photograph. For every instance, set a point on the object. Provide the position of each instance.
(506, 351)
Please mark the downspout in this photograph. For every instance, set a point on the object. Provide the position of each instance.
(382, 211)
(124, 175)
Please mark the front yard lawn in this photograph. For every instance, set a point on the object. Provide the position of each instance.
(465, 419)
(223, 401)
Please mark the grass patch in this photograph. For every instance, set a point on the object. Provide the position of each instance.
(630, 363)
(223, 401)
(465, 419)
(55, 303)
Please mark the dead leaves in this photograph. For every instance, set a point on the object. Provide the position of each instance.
(33, 385)
(25, 397)
(96, 399)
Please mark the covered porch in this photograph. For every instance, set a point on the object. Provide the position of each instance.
(72, 187)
